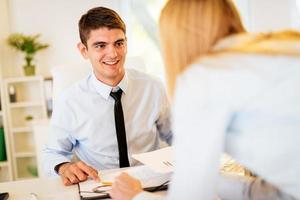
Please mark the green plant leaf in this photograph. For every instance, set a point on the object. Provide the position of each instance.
(27, 44)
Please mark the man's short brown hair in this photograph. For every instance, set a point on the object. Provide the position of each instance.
(97, 18)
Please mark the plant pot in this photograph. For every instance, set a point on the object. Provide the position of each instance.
(29, 70)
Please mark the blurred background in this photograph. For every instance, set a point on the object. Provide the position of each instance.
(57, 22)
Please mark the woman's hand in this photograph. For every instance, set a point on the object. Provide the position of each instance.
(125, 187)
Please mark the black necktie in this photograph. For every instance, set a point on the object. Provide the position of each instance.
(120, 128)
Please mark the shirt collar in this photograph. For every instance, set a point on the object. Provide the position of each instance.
(104, 89)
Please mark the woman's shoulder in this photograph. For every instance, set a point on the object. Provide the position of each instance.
(220, 80)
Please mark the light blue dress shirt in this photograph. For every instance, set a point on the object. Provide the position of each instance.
(83, 121)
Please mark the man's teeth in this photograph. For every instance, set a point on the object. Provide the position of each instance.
(110, 62)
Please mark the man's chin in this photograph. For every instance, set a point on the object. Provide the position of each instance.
(114, 74)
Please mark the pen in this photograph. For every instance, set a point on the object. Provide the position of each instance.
(106, 183)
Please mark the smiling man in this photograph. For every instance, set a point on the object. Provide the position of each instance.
(112, 113)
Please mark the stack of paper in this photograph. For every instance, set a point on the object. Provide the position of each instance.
(161, 160)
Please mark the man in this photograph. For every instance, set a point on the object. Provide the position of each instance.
(88, 119)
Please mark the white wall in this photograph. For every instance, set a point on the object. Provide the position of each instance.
(57, 21)
(272, 15)
(5, 57)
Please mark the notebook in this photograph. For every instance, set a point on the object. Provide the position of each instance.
(151, 181)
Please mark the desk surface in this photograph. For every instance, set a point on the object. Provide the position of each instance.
(45, 188)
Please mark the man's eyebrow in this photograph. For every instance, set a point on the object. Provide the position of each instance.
(99, 43)
(120, 40)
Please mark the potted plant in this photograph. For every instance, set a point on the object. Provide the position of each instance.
(29, 45)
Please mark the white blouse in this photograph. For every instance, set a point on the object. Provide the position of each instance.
(246, 105)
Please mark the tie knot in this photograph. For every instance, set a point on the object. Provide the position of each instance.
(116, 95)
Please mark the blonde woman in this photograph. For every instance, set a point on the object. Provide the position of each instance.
(235, 92)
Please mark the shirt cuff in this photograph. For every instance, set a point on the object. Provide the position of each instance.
(56, 168)
(50, 165)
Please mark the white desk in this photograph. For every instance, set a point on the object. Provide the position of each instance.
(45, 189)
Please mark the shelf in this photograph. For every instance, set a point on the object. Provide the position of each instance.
(24, 89)
(24, 99)
(24, 154)
(24, 142)
(3, 163)
(26, 167)
(26, 177)
(25, 104)
(22, 129)
(24, 79)
(5, 174)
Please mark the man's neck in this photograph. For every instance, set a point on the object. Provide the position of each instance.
(111, 82)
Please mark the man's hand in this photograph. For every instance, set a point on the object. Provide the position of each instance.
(72, 173)
(125, 187)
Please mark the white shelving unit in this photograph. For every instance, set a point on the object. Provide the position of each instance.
(29, 103)
(5, 165)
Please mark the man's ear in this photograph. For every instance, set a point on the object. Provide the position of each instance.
(83, 50)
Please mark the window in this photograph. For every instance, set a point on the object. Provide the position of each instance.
(143, 36)
(143, 32)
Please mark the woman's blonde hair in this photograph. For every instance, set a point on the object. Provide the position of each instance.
(189, 29)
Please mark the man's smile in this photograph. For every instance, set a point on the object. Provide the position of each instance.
(111, 62)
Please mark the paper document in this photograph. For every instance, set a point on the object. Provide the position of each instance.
(149, 178)
(161, 160)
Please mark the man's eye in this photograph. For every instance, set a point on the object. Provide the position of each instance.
(120, 44)
(100, 46)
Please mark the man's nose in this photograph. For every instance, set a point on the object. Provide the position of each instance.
(112, 52)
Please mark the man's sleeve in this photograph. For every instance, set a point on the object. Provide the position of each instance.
(164, 121)
(60, 141)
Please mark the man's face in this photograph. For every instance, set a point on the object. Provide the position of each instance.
(106, 49)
